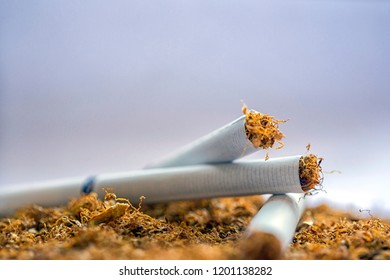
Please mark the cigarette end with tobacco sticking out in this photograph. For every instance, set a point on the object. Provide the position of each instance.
(272, 228)
(262, 130)
(241, 137)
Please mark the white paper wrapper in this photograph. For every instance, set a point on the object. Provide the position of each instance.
(279, 175)
(274, 176)
(223, 145)
(51, 193)
(279, 216)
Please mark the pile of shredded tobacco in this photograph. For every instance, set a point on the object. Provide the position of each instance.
(262, 130)
(91, 228)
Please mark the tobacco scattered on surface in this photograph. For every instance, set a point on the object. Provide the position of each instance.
(262, 130)
(86, 228)
(333, 234)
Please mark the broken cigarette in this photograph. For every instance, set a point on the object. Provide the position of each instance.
(237, 139)
(273, 227)
(274, 176)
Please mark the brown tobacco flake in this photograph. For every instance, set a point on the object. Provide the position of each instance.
(113, 208)
(262, 130)
(112, 213)
(310, 172)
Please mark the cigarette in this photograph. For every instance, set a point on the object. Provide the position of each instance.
(274, 176)
(272, 228)
(237, 139)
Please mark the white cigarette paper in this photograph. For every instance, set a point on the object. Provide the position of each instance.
(279, 216)
(51, 193)
(274, 176)
(225, 144)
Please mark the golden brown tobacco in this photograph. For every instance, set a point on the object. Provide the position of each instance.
(203, 229)
(310, 172)
(262, 130)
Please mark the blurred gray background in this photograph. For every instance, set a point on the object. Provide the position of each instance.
(101, 86)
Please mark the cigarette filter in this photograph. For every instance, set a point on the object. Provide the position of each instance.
(276, 221)
(228, 143)
(274, 176)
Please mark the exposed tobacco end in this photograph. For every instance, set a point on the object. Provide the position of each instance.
(262, 129)
(260, 246)
(310, 172)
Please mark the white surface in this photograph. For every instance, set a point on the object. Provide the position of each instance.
(150, 269)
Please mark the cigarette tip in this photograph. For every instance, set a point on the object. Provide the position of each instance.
(310, 172)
